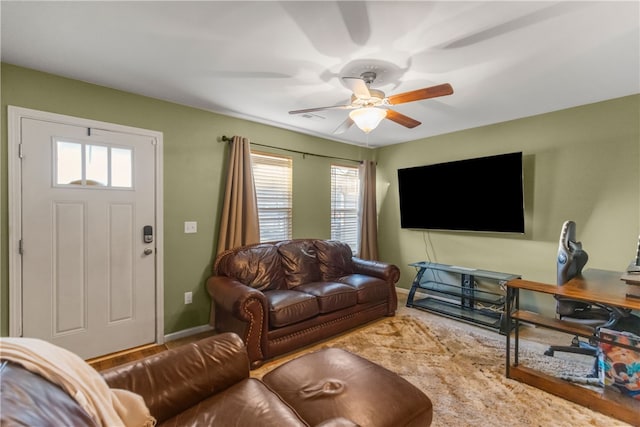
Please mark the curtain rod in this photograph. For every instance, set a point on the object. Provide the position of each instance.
(227, 139)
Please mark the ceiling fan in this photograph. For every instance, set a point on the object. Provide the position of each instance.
(370, 106)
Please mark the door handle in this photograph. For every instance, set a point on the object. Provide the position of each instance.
(148, 251)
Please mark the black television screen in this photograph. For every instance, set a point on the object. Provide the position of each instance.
(481, 194)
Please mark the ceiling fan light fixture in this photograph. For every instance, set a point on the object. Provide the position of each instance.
(368, 118)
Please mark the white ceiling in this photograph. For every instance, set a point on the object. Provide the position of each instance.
(259, 60)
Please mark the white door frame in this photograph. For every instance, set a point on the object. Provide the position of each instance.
(15, 116)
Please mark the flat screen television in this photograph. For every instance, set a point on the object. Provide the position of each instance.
(483, 194)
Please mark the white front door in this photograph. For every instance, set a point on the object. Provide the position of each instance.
(88, 216)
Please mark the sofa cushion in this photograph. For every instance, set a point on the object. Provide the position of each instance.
(331, 296)
(369, 289)
(246, 403)
(299, 262)
(287, 307)
(257, 266)
(335, 259)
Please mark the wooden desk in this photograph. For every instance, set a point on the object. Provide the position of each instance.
(598, 286)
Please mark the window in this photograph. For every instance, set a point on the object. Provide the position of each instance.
(272, 176)
(79, 164)
(345, 198)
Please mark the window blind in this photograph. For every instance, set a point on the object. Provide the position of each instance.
(272, 176)
(345, 198)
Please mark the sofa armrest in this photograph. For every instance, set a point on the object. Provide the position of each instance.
(388, 272)
(174, 380)
(232, 296)
(241, 309)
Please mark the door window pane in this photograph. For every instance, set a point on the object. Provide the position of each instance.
(121, 167)
(68, 163)
(97, 165)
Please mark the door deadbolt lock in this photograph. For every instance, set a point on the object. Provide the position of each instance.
(147, 234)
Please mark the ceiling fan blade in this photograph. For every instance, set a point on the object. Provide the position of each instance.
(356, 20)
(357, 86)
(401, 119)
(310, 110)
(425, 93)
(344, 126)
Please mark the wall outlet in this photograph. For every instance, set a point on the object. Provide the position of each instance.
(188, 297)
(190, 226)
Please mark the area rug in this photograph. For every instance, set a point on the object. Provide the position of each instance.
(463, 373)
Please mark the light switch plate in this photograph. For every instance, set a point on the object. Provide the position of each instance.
(190, 227)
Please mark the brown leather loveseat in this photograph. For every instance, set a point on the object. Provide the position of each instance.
(284, 295)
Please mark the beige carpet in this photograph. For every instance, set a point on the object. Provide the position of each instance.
(462, 370)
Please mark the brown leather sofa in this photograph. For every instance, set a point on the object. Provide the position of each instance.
(284, 295)
(208, 383)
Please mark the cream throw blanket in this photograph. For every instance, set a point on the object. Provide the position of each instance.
(108, 407)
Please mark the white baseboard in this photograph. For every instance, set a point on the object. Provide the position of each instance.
(187, 332)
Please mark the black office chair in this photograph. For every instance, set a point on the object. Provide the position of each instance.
(571, 259)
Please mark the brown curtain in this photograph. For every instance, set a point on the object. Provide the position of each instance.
(239, 223)
(368, 231)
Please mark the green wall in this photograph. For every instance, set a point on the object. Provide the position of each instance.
(194, 163)
(581, 164)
